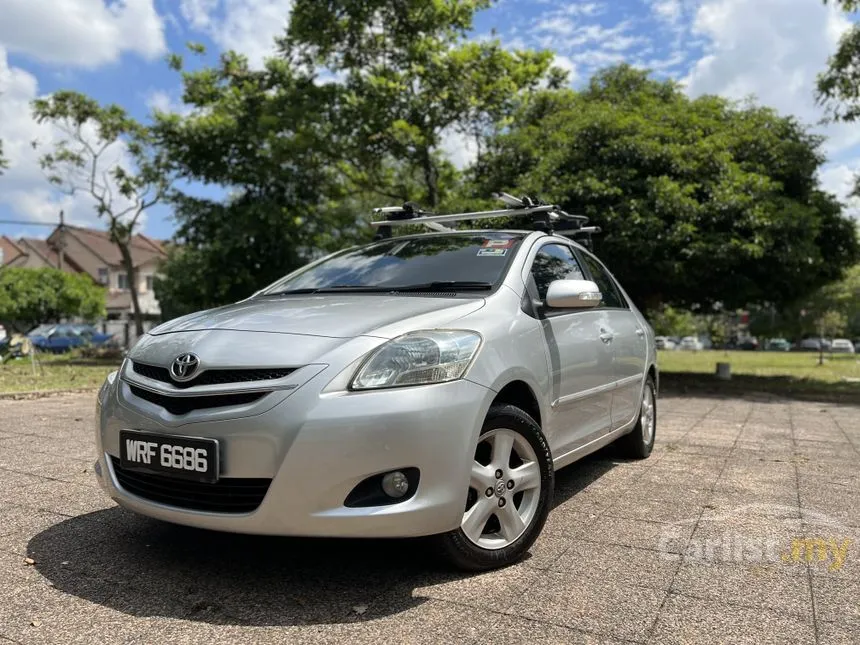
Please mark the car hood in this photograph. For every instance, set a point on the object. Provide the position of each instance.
(332, 316)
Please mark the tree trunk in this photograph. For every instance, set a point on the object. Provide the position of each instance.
(131, 276)
(431, 178)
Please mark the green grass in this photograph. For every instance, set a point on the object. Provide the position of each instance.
(797, 365)
(794, 374)
(61, 372)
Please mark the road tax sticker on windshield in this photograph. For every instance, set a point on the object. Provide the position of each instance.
(498, 244)
(492, 252)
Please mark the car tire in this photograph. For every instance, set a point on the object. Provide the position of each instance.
(530, 453)
(639, 442)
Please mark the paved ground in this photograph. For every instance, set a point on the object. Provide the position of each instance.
(737, 487)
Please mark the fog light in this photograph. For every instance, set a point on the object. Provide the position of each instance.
(395, 484)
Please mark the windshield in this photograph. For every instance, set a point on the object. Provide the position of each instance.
(469, 261)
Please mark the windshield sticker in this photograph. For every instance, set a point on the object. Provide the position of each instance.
(496, 253)
(498, 244)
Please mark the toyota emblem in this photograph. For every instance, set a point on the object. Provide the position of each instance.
(184, 367)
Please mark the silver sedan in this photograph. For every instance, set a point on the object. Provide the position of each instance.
(423, 385)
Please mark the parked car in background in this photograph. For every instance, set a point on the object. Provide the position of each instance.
(777, 345)
(810, 345)
(664, 342)
(750, 343)
(841, 346)
(691, 343)
(2, 333)
(63, 338)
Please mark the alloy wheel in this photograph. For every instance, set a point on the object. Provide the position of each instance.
(646, 416)
(504, 489)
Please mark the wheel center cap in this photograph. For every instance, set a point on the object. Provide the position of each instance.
(500, 488)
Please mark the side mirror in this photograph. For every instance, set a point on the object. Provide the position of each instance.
(573, 294)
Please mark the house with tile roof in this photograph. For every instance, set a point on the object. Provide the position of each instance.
(85, 250)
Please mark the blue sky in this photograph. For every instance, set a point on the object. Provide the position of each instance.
(114, 51)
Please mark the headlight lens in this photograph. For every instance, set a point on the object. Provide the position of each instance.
(419, 358)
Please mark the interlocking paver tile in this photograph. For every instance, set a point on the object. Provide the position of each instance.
(684, 619)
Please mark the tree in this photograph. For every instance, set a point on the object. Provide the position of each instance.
(669, 321)
(264, 134)
(838, 87)
(407, 81)
(306, 156)
(108, 156)
(3, 163)
(702, 202)
(32, 296)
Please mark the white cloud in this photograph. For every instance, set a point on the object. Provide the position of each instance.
(668, 11)
(774, 49)
(198, 12)
(23, 187)
(567, 65)
(460, 149)
(85, 33)
(246, 26)
(840, 179)
(164, 101)
(770, 48)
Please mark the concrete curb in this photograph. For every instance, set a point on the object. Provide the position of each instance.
(42, 394)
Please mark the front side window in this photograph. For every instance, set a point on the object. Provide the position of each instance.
(611, 295)
(470, 261)
(554, 262)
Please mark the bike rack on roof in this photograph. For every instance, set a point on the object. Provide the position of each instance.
(544, 217)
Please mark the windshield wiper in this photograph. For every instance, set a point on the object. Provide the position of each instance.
(446, 285)
(337, 288)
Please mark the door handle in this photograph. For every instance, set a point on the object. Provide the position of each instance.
(640, 332)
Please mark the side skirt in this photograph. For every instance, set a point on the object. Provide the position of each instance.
(578, 453)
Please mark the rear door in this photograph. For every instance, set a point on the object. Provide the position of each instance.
(628, 340)
(580, 363)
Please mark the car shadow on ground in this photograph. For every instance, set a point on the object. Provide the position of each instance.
(143, 567)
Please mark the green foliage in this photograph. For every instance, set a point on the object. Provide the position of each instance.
(32, 296)
(408, 80)
(109, 156)
(831, 323)
(3, 163)
(701, 202)
(669, 321)
(307, 157)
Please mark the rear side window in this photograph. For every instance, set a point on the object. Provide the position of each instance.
(554, 262)
(611, 295)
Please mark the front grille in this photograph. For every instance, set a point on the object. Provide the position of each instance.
(185, 404)
(227, 495)
(212, 377)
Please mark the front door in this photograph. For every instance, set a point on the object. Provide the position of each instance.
(628, 341)
(581, 364)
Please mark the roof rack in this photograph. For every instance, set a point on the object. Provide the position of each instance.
(544, 217)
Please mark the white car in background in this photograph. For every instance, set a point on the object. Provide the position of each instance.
(691, 343)
(664, 342)
(841, 346)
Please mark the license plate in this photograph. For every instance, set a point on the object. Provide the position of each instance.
(193, 458)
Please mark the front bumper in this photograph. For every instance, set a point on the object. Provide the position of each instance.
(317, 447)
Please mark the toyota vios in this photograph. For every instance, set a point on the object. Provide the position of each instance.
(422, 385)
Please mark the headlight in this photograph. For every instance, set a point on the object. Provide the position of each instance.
(418, 358)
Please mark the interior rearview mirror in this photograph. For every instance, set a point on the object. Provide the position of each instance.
(573, 294)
